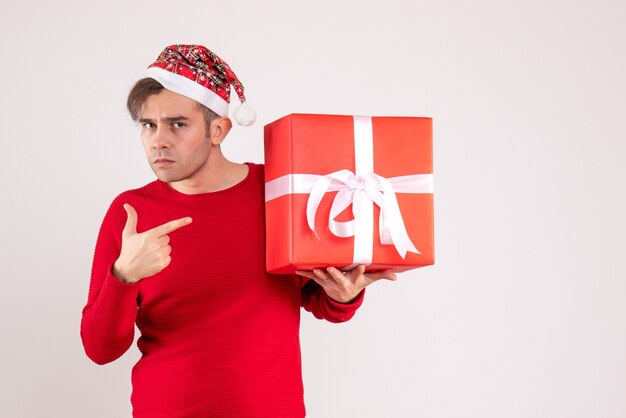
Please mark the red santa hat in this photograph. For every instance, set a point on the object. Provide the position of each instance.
(195, 72)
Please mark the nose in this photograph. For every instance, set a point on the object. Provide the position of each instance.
(160, 138)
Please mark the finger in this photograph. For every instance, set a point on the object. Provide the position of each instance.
(322, 274)
(131, 220)
(336, 274)
(163, 241)
(320, 277)
(167, 250)
(167, 262)
(357, 271)
(169, 227)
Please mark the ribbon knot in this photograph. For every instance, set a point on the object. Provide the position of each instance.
(360, 192)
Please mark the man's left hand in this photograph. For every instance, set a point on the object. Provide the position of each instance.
(344, 287)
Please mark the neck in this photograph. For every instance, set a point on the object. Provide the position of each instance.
(216, 174)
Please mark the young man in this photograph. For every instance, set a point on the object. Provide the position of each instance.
(183, 258)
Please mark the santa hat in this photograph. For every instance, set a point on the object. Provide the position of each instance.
(195, 72)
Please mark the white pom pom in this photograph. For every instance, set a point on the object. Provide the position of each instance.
(245, 115)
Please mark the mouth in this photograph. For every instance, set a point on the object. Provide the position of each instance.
(163, 162)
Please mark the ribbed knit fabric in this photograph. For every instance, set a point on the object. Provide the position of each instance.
(219, 336)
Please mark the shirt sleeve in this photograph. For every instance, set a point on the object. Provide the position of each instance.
(108, 319)
(316, 301)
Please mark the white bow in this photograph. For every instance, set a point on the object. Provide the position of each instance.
(357, 190)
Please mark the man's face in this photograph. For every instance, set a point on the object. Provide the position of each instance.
(174, 137)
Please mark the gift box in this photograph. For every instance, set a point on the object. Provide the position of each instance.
(347, 190)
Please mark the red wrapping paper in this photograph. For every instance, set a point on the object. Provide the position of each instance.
(322, 144)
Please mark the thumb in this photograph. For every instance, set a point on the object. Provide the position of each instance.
(131, 221)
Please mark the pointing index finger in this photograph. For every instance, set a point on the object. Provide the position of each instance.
(170, 226)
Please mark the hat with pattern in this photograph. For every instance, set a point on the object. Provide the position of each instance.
(195, 72)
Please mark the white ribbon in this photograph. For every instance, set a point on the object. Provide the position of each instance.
(362, 190)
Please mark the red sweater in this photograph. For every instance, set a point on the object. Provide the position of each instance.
(219, 336)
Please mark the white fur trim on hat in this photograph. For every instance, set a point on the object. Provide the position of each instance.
(188, 88)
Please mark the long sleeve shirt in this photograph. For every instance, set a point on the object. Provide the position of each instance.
(219, 335)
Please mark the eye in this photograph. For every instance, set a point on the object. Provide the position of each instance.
(178, 124)
(148, 125)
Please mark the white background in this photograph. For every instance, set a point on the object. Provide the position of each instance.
(524, 313)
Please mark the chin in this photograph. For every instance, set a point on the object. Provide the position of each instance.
(168, 177)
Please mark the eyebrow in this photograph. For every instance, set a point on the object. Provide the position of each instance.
(169, 119)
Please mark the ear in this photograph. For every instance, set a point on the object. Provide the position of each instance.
(219, 129)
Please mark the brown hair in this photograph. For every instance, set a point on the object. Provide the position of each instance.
(145, 88)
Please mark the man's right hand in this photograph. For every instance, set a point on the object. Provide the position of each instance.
(147, 253)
